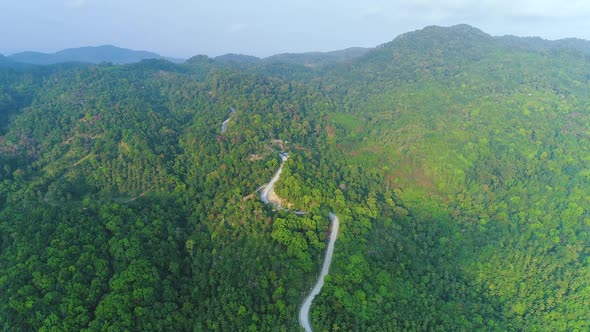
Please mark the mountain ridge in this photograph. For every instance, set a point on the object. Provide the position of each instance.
(456, 35)
(86, 54)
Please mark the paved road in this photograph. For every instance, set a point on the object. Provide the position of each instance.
(270, 186)
(224, 123)
(304, 311)
(305, 307)
(224, 126)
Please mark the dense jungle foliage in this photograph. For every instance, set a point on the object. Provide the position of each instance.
(457, 163)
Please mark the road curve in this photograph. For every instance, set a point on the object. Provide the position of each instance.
(305, 307)
(269, 187)
(224, 123)
(224, 126)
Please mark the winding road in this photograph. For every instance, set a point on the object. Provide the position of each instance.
(306, 306)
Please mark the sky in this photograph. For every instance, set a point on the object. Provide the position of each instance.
(183, 28)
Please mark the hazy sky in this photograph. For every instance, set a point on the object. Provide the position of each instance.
(183, 28)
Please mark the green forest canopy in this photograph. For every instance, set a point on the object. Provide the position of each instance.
(456, 161)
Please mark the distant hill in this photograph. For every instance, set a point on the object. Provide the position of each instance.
(540, 44)
(236, 58)
(309, 59)
(313, 59)
(90, 54)
(4, 60)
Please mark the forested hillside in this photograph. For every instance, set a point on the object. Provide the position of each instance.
(456, 162)
(485, 148)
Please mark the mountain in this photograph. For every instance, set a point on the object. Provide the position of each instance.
(471, 131)
(92, 54)
(456, 162)
(420, 55)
